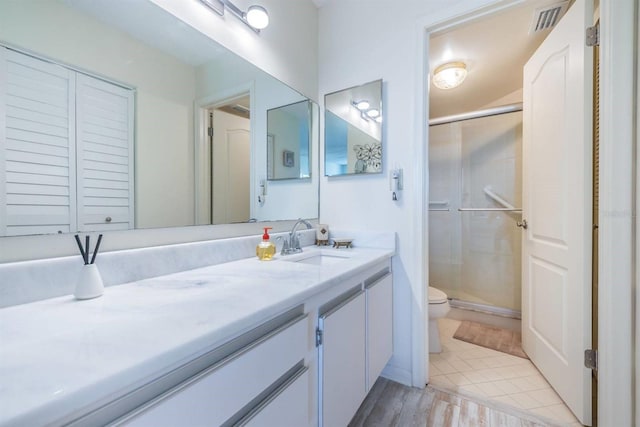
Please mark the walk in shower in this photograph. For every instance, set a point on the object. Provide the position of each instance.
(475, 170)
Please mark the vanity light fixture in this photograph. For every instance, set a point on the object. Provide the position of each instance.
(449, 75)
(256, 17)
(361, 105)
(373, 113)
(366, 112)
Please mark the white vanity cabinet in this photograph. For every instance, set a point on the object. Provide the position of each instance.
(255, 382)
(355, 341)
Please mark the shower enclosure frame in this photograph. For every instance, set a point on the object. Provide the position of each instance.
(443, 206)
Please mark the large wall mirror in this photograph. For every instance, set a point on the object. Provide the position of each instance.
(118, 115)
(353, 130)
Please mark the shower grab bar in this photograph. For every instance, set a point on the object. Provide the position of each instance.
(489, 210)
(489, 192)
(439, 203)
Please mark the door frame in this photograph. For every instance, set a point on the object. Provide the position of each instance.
(202, 152)
(617, 201)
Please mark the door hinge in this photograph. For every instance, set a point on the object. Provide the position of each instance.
(591, 359)
(210, 131)
(318, 337)
(593, 35)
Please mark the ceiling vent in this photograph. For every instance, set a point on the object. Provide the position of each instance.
(548, 16)
(241, 109)
(236, 110)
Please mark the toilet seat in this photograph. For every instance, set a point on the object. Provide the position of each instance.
(436, 296)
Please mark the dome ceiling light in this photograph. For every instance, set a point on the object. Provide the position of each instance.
(449, 75)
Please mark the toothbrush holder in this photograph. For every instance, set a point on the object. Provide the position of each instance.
(89, 284)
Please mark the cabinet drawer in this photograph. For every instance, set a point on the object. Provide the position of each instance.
(288, 406)
(216, 394)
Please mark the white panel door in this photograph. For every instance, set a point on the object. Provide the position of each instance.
(37, 151)
(556, 271)
(238, 175)
(104, 155)
(230, 174)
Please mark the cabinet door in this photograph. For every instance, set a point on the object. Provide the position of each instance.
(379, 326)
(342, 361)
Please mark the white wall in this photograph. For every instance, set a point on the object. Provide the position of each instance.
(358, 44)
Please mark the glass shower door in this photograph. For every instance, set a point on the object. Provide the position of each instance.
(475, 169)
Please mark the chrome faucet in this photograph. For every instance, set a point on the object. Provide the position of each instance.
(293, 245)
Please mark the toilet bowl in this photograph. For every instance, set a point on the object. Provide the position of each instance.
(438, 307)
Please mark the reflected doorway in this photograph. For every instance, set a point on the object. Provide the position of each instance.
(223, 158)
(229, 131)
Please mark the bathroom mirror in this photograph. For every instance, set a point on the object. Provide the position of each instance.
(353, 130)
(289, 141)
(177, 82)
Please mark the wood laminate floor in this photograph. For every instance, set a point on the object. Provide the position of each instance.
(391, 404)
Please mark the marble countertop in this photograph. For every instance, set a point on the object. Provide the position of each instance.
(60, 356)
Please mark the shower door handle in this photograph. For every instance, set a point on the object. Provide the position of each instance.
(522, 224)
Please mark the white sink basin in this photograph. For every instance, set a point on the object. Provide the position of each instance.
(318, 258)
(321, 259)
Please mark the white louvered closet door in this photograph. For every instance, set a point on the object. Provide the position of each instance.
(104, 155)
(66, 153)
(37, 156)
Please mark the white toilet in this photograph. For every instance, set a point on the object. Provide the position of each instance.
(438, 307)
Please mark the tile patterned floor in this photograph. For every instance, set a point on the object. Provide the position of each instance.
(477, 371)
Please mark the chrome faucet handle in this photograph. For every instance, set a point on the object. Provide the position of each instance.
(285, 247)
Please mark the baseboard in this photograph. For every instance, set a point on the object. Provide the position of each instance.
(486, 318)
(397, 374)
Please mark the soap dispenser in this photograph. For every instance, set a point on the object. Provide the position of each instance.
(265, 249)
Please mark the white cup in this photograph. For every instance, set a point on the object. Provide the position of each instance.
(89, 284)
